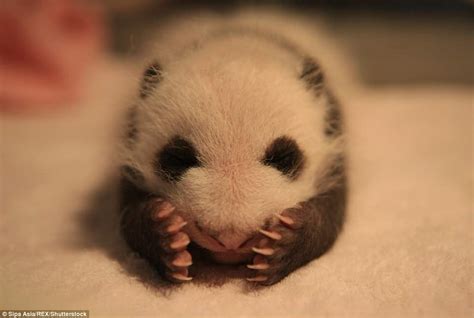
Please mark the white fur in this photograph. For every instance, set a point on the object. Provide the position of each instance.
(231, 97)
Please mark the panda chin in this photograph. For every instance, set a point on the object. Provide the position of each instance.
(231, 257)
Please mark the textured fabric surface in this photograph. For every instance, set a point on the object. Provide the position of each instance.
(406, 250)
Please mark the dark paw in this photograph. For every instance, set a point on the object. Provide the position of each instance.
(168, 226)
(273, 253)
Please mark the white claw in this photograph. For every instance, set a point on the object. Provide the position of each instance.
(164, 211)
(263, 251)
(175, 228)
(180, 244)
(181, 277)
(273, 235)
(179, 263)
(258, 266)
(285, 219)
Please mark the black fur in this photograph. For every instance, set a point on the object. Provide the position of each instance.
(312, 75)
(151, 77)
(284, 155)
(137, 226)
(132, 125)
(333, 118)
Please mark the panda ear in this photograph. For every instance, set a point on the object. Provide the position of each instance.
(312, 74)
(151, 77)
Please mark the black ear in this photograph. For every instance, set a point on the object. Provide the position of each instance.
(333, 116)
(151, 77)
(313, 75)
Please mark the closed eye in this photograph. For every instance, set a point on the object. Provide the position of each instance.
(284, 155)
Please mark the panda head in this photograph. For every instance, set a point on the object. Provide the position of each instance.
(229, 144)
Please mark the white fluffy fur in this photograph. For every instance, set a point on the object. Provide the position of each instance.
(231, 97)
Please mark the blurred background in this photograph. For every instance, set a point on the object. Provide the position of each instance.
(47, 47)
(392, 41)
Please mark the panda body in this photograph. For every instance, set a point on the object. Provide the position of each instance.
(233, 125)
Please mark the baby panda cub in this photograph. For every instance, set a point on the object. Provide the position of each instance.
(233, 143)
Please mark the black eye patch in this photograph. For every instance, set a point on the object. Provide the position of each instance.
(284, 155)
(176, 158)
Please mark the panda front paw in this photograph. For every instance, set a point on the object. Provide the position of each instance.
(173, 242)
(274, 253)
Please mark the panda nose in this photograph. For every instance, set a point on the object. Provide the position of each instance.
(232, 241)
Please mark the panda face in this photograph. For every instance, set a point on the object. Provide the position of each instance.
(228, 144)
(228, 198)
